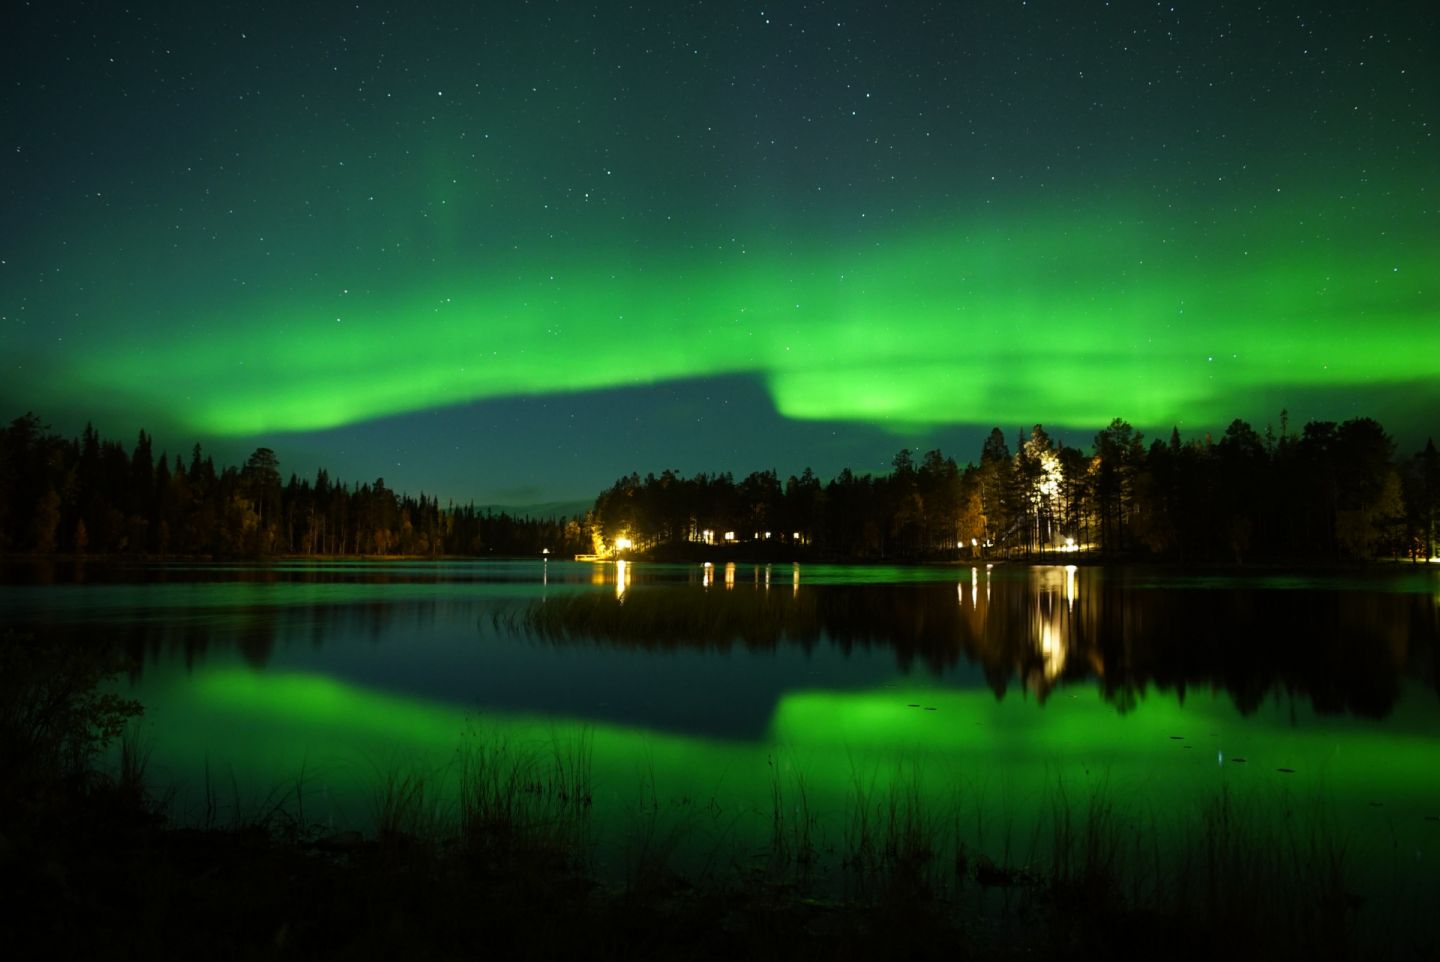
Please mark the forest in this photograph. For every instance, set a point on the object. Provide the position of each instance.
(1332, 492)
(90, 496)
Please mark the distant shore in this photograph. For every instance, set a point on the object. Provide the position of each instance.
(739, 554)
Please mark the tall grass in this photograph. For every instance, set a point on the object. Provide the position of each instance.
(1271, 873)
(794, 846)
(279, 811)
(409, 803)
(666, 840)
(532, 799)
(1277, 876)
(132, 784)
(1262, 874)
(898, 843)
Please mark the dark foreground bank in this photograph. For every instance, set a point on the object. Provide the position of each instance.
(92, 865)
(107, 879)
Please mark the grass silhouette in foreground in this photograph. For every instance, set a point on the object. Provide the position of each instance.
(499, 853)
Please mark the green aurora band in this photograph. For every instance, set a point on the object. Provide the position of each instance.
(264, 729)
(1069, 319)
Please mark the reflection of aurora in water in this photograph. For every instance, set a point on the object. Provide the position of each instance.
(971, 758)
(696, 685)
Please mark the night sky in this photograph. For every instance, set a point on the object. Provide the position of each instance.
(510, 252)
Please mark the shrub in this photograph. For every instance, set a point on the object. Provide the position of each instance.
(57, 713)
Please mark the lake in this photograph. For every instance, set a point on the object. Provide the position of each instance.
(721, 705)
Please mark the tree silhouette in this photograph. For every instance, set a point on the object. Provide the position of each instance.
(1334, 491)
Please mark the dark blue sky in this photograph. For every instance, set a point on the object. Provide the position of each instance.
(509, 252)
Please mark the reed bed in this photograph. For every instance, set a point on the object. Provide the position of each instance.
(901, 857)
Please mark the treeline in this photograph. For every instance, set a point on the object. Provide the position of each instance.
(91, 496)
(1331, 492)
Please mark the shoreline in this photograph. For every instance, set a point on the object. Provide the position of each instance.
(722, 555)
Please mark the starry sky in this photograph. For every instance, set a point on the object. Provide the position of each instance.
(508, 251)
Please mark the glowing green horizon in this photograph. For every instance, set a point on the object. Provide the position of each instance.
(1065, 319)
(271, 729)
(507, 258)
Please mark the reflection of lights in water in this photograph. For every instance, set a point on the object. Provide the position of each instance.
(708, 578)
(795, 582)
(1052, 649)
(729, 574)
(1050, 622)
(622, 574)
(960, 592)
(767, 577)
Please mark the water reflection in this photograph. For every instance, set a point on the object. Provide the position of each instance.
(1347, 651)
(1051, 625)
(1346, 644)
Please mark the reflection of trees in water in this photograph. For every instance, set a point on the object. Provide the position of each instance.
(149, 634)
(1347, 651)
(254, 630)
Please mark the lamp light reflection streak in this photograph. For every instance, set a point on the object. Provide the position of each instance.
(1051, 623)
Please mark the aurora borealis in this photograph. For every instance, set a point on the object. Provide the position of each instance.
(511, 252)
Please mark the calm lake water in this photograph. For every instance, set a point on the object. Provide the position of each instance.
(698, 690)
